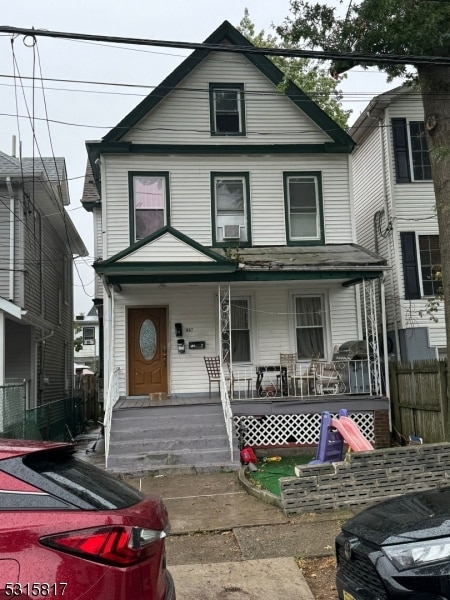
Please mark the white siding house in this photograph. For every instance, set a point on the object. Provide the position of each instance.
(395, 217)
(220, 197)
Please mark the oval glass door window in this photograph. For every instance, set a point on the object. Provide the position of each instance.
(147, 339)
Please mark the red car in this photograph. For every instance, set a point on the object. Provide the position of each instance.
(70, 530)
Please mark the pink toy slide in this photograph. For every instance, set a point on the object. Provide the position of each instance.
(351, 434)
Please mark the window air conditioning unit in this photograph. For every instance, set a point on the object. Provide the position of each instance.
(231, 232)
(89, 342)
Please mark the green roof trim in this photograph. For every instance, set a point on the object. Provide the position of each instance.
(350, 277)
(226, 32)
(219, 260)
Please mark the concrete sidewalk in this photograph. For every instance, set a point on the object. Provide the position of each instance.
(226, 544)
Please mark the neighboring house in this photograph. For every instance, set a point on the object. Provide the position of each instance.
(38, 242)
(395, 217)
(224, 226)
(87, 328)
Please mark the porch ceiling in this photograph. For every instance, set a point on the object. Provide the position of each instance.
(348, 262)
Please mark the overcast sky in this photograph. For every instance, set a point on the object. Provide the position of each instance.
(86, 111)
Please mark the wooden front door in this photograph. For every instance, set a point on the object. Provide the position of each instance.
(147, 344)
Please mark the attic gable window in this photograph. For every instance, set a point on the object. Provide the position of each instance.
(227, 108)
(230, 209)
(149, 203)
(303, 208)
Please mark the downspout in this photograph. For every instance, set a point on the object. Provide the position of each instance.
(383, 130)
(11, 238)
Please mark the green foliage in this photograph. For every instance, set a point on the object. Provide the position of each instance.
(307, 74)
(77, 341)
(402, 27)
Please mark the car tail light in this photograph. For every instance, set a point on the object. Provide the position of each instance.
(117, 545)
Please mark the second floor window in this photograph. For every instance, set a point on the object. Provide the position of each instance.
(303, 207)
(230, 193)
(430, 264)
(411, 156)
(149, 199)
(420, 158)
(227, 108)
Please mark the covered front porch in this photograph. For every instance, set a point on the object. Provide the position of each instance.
(250, 312)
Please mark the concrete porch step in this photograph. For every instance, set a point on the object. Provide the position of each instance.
(186, 444)
(122, 432)
(185, 437)
(151, 461)
(154, 421)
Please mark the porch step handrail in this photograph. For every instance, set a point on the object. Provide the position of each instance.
(111, 399)
(227, 412)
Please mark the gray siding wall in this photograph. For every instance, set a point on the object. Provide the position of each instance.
(5, 214)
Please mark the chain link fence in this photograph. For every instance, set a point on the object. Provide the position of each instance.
(60, 420)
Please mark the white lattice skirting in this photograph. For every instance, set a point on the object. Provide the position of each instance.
(303, 429)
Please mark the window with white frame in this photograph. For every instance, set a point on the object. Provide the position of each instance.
(149, 203)
(303, 207)
(231, 208)
(227, 108)
(411, 156)
(420, 158)
(309, 326)
(240, 330)
(88, 336)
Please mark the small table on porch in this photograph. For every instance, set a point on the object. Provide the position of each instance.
(271, 389)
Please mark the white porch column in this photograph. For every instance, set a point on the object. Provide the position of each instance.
(385, 343)
(107, 341)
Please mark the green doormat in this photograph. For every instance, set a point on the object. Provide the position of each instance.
(269, 473)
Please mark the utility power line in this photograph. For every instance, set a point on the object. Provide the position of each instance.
(356, 57)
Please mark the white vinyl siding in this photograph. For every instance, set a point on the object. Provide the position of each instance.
(412, 207)
(195, 306)
(171, 122)
(190, 194)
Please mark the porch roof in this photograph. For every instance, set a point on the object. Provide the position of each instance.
(348, 262)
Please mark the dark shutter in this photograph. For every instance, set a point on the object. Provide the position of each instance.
(400, 138)
(410, 271)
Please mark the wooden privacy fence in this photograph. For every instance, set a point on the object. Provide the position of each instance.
(419, 399)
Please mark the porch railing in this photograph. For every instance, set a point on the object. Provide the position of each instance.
(227, 412)
(275, 381)
(111, 398)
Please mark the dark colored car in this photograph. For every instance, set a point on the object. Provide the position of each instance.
(73, 531)
(397, 550)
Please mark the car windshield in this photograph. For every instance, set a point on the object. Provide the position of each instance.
(99, 489)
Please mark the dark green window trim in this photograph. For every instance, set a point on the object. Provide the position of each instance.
(131, 175)
(212, 113)
(320, 240)
(229, 243)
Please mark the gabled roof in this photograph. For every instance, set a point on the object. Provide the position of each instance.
(368, 119)
(226, 33)
(144, 256)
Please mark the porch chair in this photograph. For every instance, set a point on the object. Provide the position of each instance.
(287, 362)
(327, 378)
(212, 364)
(304, 379)
(238, 376)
